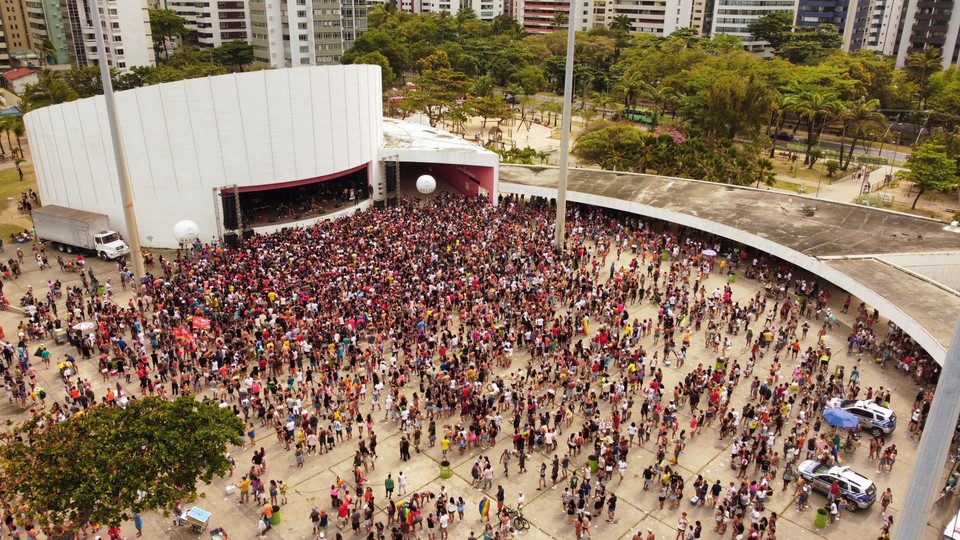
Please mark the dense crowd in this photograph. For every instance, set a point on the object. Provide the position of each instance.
(455, 322)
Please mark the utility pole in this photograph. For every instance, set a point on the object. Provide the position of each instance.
(559, 232)
(119, 153)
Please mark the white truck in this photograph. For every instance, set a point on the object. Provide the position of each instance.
(70, 230)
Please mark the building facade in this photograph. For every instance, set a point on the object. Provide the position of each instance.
(930, 23)
(196, 146)
(540, 16)
(13, 16)
(213, 22)
(734, 16)
(660, 17)
(126, 26)
(292, 33)
(46, 25)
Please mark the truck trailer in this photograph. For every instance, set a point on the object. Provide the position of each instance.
(71, 230)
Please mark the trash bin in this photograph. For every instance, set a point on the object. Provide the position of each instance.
(720, 365)
(731, 278)
(665, 256)
(60, 336)
(820, 518)
(275, 519)
(593, 463)
(445, 470)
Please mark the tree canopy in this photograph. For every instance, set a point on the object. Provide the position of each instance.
(108, 462)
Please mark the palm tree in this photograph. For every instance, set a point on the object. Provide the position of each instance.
(559, 20)
(659, 96)
(813, 106)
(779, 106)
(46, 50)
(621, 22)
(860, 116)
(19, 130)
(482, 87)
(764, 172)
(925, 63)
(629, 86)
(603, 101)
(49, 89)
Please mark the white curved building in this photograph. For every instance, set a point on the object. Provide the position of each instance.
(195, 146)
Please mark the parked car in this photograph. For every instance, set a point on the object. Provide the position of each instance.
(858, 490)
(876, 419)
(784, 136)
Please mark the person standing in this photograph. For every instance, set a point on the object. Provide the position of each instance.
(681, 526)
(611, 506)
(388, 485)
(885, 501)
(401, 483)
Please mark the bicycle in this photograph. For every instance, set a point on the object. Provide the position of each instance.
(516, 518)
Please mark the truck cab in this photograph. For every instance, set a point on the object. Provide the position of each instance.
(109, 245)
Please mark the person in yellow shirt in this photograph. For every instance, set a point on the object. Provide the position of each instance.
(245, 490)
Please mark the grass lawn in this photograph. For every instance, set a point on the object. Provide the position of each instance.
(12, 221)
(789, 186)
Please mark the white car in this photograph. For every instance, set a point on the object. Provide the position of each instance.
(876, 419)
(859, 491)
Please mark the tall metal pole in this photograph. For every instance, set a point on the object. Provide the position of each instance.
(119, 153)
(560, 230)
(934, 446)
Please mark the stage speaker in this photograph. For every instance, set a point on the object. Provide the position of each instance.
(248, 234)
(230, 239)
(229, 202)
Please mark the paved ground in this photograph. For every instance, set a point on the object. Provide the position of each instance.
(705, 455)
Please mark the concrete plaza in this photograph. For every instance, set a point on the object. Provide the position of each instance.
(705, 454)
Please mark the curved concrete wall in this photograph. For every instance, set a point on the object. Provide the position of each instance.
(813, 265)
(185, 139)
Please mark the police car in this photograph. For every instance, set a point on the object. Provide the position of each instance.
(858, 490)
(876, 419)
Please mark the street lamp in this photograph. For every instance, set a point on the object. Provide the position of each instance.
(119, 153)
(561, 221)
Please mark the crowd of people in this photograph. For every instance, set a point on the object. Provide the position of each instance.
(456, 323)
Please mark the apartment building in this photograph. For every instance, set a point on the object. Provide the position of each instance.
(213, 22)
(734, 16)
(292, 33)
(660, 17)
(539, 16)
(929, 23)
(45, 23)
(13, 16)
(126, 27)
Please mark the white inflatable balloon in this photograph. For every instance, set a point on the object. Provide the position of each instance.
(186, 231)
(426, 184)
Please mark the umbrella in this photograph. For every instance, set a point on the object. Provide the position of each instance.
(840, 418)
(85, 326)
(709, 253)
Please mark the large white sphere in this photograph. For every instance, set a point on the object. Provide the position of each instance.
(186, 231)
(426, 184)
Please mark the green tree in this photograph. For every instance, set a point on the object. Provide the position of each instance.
(165, 25)
(859, 117)
(622, 23)
(774, 28)
(813, 106)
(530, 78)
(732, 105)
(929, 167)
(809, 45)
(616, 147)
(234, 53)
(49, 89)
(438, 93)
(659, 96)
(604, 102)
(109, 462)
(47, 51)
(490, 106)
(923, 64)
(374, 58)
(629, 86)
(559, 20)
(482, 87)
